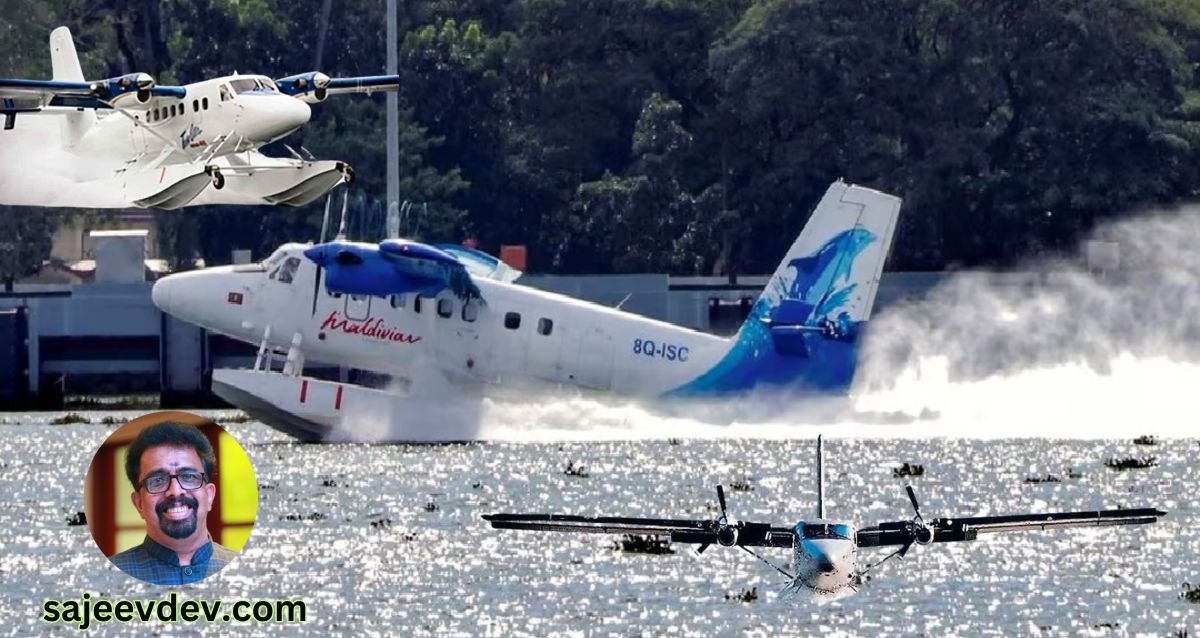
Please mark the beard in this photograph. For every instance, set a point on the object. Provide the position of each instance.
(182, 528)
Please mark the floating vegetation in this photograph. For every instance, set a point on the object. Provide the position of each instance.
(70, 418)
(78, 519)
(331, 483)
(477, 484)
(113, 420)
(237, 417)
(744, 596)
(267, 486)
(741, 485)
(1131, 463)
(674, 441)
(635, 544)
(575, 470)
(148, 402)
(1073, 473)
(1191, 593)
(1146, 439)
(1037, 480)
(315, 516)
(383, 523)
(908, 470)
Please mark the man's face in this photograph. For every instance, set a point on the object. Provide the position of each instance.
(176, 514)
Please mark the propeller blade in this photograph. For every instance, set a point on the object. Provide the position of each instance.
(700, 549)
(904, 549)
(721, 499)
(912, 496)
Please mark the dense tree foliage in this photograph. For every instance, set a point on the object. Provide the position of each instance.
(694, 136)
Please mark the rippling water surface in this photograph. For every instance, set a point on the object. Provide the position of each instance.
(445, 573)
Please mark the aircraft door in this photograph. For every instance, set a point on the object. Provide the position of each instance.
(545, 349)
(358, 307)
(595, 359)
(471, 347)
(510, 342)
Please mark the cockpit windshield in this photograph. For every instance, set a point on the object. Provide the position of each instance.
(241, 85)
(824, 530)
(285, 272)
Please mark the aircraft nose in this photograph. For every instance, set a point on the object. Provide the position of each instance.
(822, 554)
(270, 117)
(296, 113)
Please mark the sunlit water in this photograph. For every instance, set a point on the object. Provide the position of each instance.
(445, 573)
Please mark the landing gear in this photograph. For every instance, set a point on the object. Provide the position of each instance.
(217, 178)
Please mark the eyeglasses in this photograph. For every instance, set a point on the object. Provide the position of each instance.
(188, 480)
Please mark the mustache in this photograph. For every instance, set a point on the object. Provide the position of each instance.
(162, 507)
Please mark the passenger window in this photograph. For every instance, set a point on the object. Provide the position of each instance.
(445, 308)
(470, 311)
(417, 304)
(288, 270)
(512, 320)
(545, 326)
(195, 106)
(204, 104)
(397, 301)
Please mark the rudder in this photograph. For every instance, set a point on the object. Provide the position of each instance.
(64, 61)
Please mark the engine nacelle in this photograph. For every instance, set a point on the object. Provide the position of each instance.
(137, 85)
(727, 536)
(311, 87)
(922, 533)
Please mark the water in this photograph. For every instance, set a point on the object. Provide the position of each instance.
(445, 573)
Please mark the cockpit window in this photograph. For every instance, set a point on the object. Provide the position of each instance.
(244, 84)
(288, 270)
(824, 530)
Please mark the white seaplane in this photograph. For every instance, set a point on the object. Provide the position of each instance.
(127, 141)
(824, 551)
(440, 318)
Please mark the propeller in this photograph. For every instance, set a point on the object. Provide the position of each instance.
(921, 533)
(727, 534)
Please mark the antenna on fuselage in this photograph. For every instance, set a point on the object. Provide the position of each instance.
(820, 477)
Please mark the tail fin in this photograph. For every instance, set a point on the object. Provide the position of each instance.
(63, 58)
(820, 477)
(803, 330)
(65, 63)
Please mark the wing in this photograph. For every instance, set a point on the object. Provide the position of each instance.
(742, 533)
(33, 95)
(947, 530)
(313, 87)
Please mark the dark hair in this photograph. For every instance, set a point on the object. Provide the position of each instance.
(171, 435)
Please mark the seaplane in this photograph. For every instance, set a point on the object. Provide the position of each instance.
(449, 321)
(825, 555)
(128, 141)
